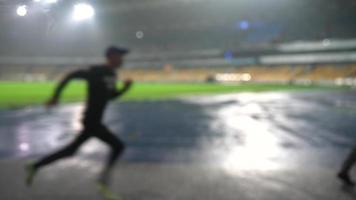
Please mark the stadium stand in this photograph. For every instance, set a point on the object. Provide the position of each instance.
(311, 61)
(284, 73)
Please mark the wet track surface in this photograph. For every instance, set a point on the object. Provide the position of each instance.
(273, 129)
(272, 142)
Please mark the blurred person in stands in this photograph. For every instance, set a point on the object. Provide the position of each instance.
(101, 86)
(344, 173)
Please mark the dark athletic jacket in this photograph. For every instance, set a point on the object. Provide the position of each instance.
(101, 88)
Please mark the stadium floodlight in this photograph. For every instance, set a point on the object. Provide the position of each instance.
(83, 11)
(21, 10)
(24, 147)
(49, 1)
(228, 55)
(244, 25)
(139, 34)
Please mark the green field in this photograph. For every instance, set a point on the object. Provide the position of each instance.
(18, 94)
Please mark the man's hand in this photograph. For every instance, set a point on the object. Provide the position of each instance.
(128, 83)
(52, 102)
(125, 88)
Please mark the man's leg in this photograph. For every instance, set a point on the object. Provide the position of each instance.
(344, 174)
(67, 151)
(117, 148)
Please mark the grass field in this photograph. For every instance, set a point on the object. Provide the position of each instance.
(18, 94)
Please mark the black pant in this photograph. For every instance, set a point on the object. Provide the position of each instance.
(349, 162)
(90, 130)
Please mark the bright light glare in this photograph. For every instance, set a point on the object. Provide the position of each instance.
(231, 77)
(244, 25)
(259, 149)
(140, 34)
(21, 10)
(49, 1)
(24, 147)
(82, 11)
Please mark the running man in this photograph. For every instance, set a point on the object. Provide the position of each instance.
(344, 173)
(101, 85)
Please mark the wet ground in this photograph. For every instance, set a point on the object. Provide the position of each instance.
(236, 146)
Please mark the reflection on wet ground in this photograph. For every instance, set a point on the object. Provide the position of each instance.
(250, 131)
(242, 146)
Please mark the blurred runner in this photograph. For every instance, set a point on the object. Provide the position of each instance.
(344, 173)
(101, 89)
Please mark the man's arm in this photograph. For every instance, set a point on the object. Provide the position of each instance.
(80, 74)
(120, 92)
